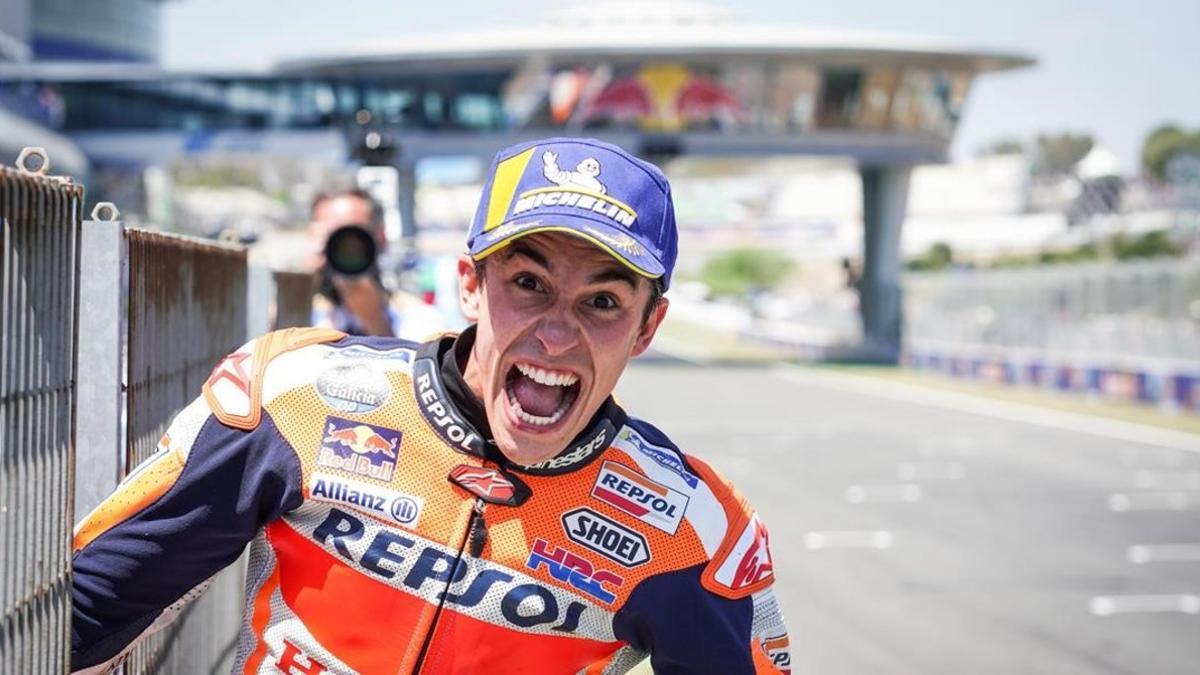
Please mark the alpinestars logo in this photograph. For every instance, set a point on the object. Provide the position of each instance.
(489, 484)
(575, 457)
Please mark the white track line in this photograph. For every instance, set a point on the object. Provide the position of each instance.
(915, 471)
(1108, 605)
(1005, 410)
(1146, 479)
(875, 539)
(900, 492)
(1148, 501)
(1151, 553)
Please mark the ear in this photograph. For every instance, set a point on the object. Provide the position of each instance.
(650, 327)
(469, 288)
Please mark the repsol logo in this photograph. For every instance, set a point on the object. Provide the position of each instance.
(440, 414)
(430, 573)
(649, 501)
(606, 537)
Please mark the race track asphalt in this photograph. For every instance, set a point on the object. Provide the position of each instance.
(915, 535)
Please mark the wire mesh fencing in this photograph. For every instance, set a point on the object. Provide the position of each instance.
(186, 310)
(1129, 329)
(40, 217)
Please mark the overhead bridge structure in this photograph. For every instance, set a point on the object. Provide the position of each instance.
(663, 79)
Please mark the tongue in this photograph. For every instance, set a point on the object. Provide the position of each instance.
(537, 399)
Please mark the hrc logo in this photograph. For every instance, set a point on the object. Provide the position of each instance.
(755, 564)
(570, 568)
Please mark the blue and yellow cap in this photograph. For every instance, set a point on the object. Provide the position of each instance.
(583, 187)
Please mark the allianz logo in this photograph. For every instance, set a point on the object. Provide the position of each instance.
(389, 505)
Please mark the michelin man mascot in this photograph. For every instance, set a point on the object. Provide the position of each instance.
(584, 175)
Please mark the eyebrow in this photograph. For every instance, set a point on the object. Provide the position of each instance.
(613, 273)
(519, 249)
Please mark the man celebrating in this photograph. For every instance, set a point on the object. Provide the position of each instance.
(474, 504)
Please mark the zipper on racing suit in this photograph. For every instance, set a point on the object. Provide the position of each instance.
(477, 533)
(472, 545)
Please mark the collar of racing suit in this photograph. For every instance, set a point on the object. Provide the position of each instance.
(458, 415)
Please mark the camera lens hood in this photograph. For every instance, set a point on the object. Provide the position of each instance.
(350, 250)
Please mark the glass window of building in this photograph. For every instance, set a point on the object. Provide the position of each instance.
(840, 98)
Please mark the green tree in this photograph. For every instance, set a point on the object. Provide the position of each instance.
(1003, 146)
(1148, 245)
(1164, 143)
(738, 271)
(939, 256)
(1055, 154)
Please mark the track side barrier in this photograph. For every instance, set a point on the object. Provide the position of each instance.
(40, 218)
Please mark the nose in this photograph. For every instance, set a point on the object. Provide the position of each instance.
(557, 332)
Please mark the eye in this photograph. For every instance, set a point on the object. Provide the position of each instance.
(527, 282)
(604, 301)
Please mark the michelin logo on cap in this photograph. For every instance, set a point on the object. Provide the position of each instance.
(579, 188)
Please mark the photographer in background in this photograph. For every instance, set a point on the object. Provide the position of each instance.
(347, 237)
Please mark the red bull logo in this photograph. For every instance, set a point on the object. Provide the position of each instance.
(359, 448)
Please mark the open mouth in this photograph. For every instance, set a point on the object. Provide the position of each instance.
(540, 397)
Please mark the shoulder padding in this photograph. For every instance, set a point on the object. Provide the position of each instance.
(742, 564)
(234, 390)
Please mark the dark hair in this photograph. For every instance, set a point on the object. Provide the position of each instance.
(359, 193)
(656, 289)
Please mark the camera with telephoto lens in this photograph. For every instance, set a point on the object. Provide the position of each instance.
(350, 251)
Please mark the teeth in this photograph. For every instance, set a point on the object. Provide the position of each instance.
(537, 420)
(547, 377)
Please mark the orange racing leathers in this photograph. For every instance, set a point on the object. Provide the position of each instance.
(387, 535)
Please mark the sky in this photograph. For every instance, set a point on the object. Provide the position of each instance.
(1114, 69)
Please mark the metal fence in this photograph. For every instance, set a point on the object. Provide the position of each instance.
(40, 217)
(1130, 328)
(155, 313)
(186, 310)
(293, 300)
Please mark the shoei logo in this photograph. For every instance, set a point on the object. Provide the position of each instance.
(570, 568)
(650, 502)
(578, 188)
(386, 504)
(364, 449)
(606, 537)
